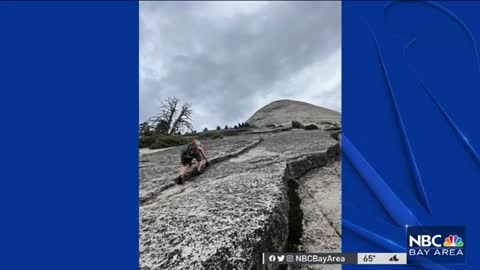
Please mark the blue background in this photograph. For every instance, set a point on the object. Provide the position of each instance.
(410, 96)
(69, 114)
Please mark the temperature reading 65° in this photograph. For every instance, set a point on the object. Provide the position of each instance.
(368, 258)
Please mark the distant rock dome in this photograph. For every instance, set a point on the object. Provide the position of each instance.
(283, 112)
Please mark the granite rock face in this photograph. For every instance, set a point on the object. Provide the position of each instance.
(239, 207)
(320, 193)
(283, 112)
(158, 170)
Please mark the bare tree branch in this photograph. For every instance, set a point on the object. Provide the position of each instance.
(171, 119)
(169, 110)
(183, 119)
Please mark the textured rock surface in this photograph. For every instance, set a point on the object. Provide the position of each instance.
(320, 192)
(283, 112)
(158, 170)
(238, 208)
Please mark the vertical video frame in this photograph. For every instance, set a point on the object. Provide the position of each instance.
(239, 133)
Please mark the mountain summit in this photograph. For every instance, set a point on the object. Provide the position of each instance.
(283, 112)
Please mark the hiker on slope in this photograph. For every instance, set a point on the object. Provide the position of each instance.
(187, 154)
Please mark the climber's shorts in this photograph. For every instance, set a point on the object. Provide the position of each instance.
(187, 160)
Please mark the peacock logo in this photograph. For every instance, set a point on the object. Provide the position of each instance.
(453, 241)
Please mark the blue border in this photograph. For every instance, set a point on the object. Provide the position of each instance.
(69, 113)
(410, 121)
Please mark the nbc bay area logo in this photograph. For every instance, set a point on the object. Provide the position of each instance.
(436, 244)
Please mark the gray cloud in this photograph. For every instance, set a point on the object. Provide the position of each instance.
(230, 58)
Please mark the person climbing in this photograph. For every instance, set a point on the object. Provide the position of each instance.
(187, 154)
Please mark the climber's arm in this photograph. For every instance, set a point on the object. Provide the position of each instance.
(202, 153)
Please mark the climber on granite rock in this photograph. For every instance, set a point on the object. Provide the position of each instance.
(187, 154)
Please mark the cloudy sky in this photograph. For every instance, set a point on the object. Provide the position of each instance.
(228, 59)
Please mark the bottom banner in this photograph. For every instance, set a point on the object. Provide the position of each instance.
(334, 258)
